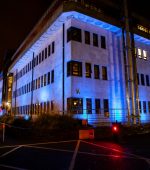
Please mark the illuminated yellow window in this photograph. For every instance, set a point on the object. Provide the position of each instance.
(135, 52)
(144, 55)
(139, 53)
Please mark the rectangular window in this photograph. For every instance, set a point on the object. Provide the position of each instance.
(37, 60)
(149, 106)
(40, 59)
(52, 76)
(89, 106)
(75, 105)
(49, 50)
(88, 70)
(95, 40)
(36, 83)
(87, 37)
(42, 55)
(147, 80)
(144, 54)
(142, 80)
(45, 53)
(48, 107)
(138, 78)
(74, 34)
(52, 105)
(103, 42)
(41, 81)
(104, 73)
(144, 107)
(97, 106)
(139, 53)
(53, 47)
(74, 68)
(106, 107)
(140, 107)
(96, 71)
(44, 79)
(48, 78)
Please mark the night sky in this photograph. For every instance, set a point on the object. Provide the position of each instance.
(18, 17)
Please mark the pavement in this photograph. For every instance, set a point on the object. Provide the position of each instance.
(73, 155)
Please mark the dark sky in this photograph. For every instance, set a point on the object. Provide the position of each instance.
(17, 18)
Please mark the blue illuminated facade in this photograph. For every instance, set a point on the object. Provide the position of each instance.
(76, 66)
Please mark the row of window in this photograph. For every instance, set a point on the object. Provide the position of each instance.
(74, 68)
(142, 54)
(75, 34)
(37, 83)
(145, 104)
(50, 49)
(75, 106)
(37, 108)
(143, 79)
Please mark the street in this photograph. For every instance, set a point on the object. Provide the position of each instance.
(77, 155)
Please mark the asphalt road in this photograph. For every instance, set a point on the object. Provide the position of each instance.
(76, 155)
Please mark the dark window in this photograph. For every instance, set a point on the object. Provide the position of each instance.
(144, 106)
(97, 106)
(147, 80)
(74, 34)
(142, 80)
(37, 60)
(48, 78)
(104, 73)
(140, 108)
(36, 84)
(53, 47)
(96, 71)
(103, 42)
(44, 79)
(88, 70)
(75, 105)
(52, 105)
(149, 106)
(89, 106)
(52, 76)
(106, 107)
(138, 78)
(95, 39)
(40, 58)
(41, 81)
(74, 68)
(49, 50)
(42, 55)
(87, 37)
(45, 53)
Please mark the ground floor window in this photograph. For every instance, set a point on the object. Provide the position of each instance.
(75, 105)
(97, 106)
(89, 106)
(106, 107)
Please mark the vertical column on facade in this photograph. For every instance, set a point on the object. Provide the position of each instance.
(129, 67)
(32, 86)
(16, 91)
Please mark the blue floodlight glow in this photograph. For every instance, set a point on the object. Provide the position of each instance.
(141, 39)
(26, 117)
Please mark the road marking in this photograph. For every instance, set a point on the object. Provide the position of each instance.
(71, 167)
(11, 167)
(12, 150)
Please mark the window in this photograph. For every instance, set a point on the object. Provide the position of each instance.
(37, 60)
(140, 108)
(44, 79)
(87, 37)
(52, 105)
(74, 34)
(45, 53)
(95, 40)
(42, 55)
(142, 80)
(52, 76)
(147, 80)
(106, 107)
(103, 42)
(49, 50)
(89, 106)
(138, 78)
(74, 68)
(40, 58)
(97, 106)
(88, 70)
(144, 55)
(53, 47)
(144, 106)
(139, 53)
(96, 71)
(48, 78)
(104, 73)
(41, 81)
(75, 105)
(149, 106)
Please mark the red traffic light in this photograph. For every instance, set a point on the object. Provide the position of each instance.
(115, 128)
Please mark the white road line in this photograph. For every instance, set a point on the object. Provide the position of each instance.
(11, 167)
(12, 150)
(71, 167)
